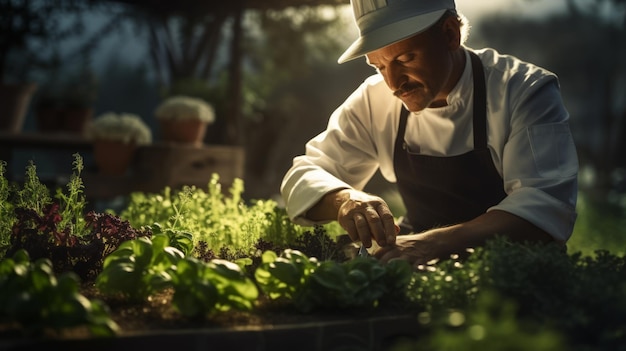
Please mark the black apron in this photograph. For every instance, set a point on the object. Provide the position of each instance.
(440, 191)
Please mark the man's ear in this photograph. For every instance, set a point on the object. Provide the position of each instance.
(451, 30)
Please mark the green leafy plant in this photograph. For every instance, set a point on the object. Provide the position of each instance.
(219, 285)
(30, 209)
(215, 220)
(580, 297)
(284, 276)
(142, 267)
(36, 300)
(33, 194)
(491, 323)
(73, 202)
(178, 239)
(361, 282)
(58, 229)
(139, 268)
(451, 283)
(6, 209)
(203, 246)
(318, 243)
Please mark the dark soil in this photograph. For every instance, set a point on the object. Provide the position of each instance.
(157, 313)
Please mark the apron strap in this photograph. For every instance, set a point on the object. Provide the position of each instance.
(480, 103)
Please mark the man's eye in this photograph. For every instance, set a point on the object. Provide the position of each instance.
(404, 58)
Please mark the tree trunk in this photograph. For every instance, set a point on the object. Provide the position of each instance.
(233, 126)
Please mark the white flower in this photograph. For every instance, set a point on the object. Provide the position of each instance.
(124, 127)
(185, 107)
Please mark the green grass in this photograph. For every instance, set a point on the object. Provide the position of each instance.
(599, 226)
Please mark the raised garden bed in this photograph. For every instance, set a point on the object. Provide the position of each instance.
(265, 331)
(253, 290)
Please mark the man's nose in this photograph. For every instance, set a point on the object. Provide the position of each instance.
(396, 76)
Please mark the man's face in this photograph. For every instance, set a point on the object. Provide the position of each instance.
(417, 69)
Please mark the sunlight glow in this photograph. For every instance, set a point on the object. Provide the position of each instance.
(474, 10)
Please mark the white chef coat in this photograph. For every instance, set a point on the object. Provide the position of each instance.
(528, 136)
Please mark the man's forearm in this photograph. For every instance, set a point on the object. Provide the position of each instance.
(327, 208)
(475, 233)
(440, 243)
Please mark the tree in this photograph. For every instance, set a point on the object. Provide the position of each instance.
(586, 47)
(187, 39)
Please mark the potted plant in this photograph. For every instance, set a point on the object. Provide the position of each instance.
(66, 104)
(30, 32)
(115, 139)
(184, 119)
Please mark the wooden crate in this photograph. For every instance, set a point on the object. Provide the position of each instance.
(171, 165)
(178, 165)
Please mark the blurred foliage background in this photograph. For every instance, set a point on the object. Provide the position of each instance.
(287, 81)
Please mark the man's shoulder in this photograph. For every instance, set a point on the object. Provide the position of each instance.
(509, 65)
(508, 70)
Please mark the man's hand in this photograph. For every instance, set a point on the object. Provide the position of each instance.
(414, 248)
(367, 217)
(364, 216)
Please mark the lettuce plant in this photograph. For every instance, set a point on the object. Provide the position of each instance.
(284, 276)
(36, 300)
(309, 284)
(142, 267)
(139, 268)
(219, 285)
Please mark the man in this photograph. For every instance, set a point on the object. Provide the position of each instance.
(478, 142)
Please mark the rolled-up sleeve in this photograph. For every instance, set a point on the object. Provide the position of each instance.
(343, 156)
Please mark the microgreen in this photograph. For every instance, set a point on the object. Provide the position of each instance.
(34, 194)
(215, 220)
(6, 209)
(72, 202)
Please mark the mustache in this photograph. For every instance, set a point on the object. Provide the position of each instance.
(407, 87)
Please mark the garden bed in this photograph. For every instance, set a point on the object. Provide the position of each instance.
(381, 333)
(270, 326)
(196, 270)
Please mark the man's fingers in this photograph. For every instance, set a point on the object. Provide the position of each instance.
(363, 229)
(377, 231)
(390, 229)
(350, 227)
(382, 224)
(357, 228)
